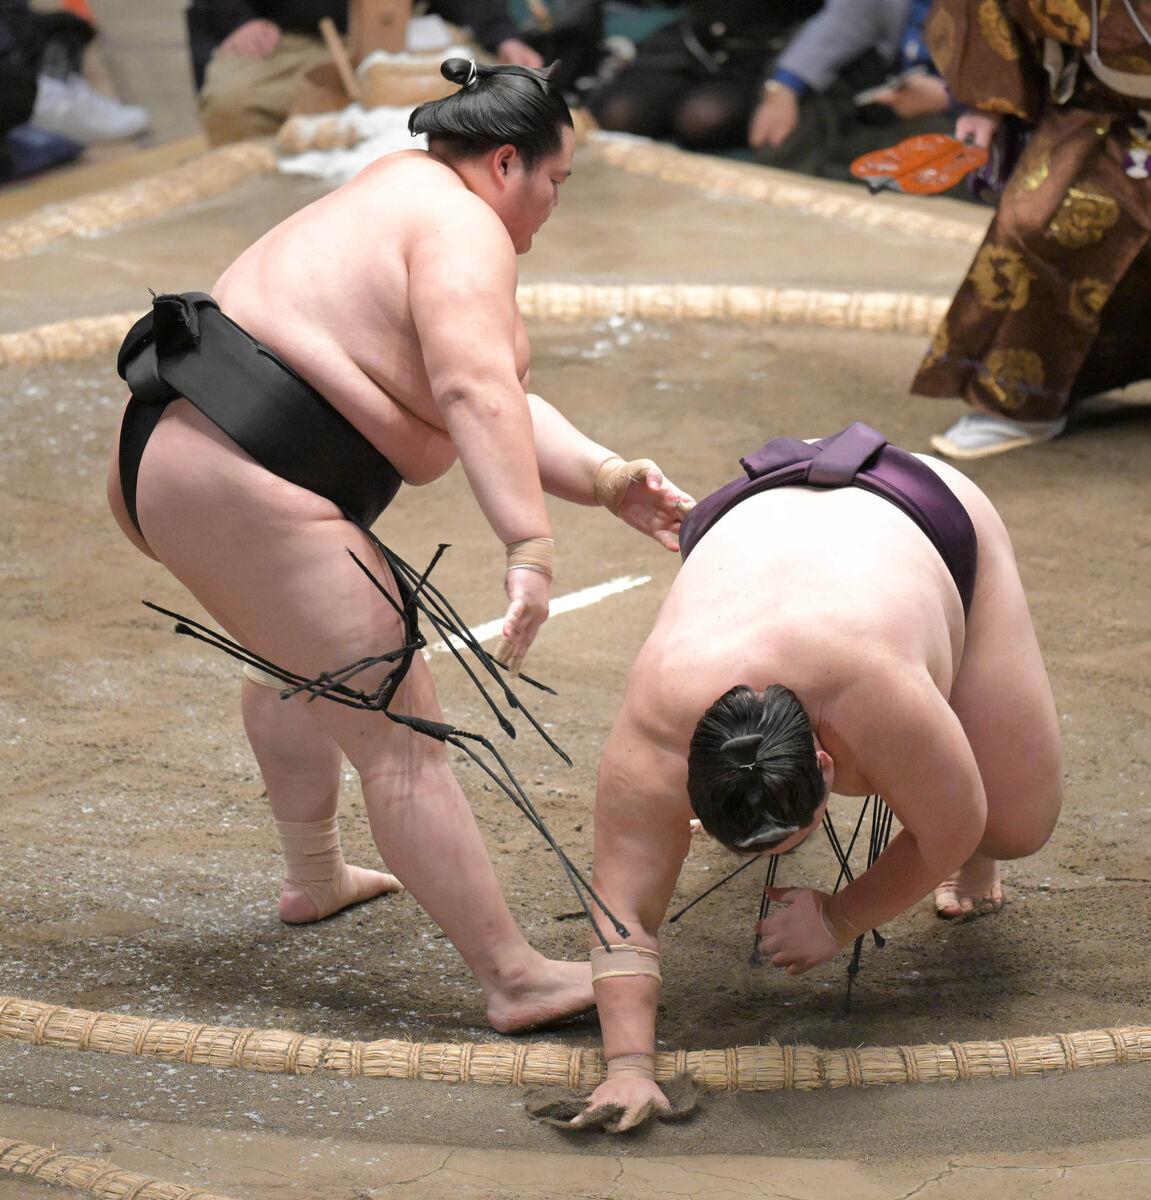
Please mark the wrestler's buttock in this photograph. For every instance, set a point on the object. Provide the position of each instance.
(989, 528)
(189, 456)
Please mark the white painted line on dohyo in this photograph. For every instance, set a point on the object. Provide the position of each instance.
(562, 604)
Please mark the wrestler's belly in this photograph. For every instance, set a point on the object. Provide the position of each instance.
(417, 449)
(387, 399)
(398, 416)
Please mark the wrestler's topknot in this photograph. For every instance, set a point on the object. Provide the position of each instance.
(752, 774)
(496, 105)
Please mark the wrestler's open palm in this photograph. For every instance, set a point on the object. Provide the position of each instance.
(794, 936)
(528, 594)
(655, 506)
(618, 1105)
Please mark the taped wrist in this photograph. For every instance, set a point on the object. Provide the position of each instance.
(619, 962)
(532, 554)
(613, 476)
(635, 1066)
(835, 921)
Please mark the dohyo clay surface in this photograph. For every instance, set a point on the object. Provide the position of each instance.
(139, 857)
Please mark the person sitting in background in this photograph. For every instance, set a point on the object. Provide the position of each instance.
(247, 55)
(1053, 307)
(856, 77)
(697, 81)
(48, 111)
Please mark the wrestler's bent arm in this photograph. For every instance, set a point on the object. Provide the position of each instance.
(462, 284)
(461, 289)
(907, 741)
(567, 458)
(570, 464)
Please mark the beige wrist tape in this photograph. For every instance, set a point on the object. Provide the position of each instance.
(532, 554)
(637, 1066)
(835, 922)
(618, 962)
(612, 477)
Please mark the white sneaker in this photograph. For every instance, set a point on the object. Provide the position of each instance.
(74, 109)
(979, 435)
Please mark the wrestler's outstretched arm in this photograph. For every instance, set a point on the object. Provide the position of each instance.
(575, 468)
(908, 742)
(641, 838)
(461, 288)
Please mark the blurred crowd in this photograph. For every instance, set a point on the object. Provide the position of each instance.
(1057, 91)
(791, 83)
(797, 84)
(49, 111)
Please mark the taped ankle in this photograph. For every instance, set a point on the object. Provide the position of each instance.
(314, 862)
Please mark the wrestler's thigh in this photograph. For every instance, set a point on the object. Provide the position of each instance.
(1003, 697)
(270, 562)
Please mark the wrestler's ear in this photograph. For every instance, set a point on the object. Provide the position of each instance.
(826, 766)
(503, 159)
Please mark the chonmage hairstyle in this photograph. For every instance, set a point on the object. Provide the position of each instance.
(495, 106)
(752, 775)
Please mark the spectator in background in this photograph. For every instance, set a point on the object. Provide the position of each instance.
(697, 81)
(247, 55)
(1054, 305)
(48, 111)
(856, 77)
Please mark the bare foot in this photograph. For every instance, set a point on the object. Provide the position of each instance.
(559, 991)
(302, 905)
(973, 891)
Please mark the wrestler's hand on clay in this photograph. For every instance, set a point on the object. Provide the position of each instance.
(638, 1098)
(796, 937)
(639, 494)
(528, 593)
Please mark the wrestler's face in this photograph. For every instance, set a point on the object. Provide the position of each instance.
(530, 195)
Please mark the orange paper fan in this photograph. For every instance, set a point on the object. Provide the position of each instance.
(923, 165)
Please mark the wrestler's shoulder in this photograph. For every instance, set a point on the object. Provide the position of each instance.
(419, 183)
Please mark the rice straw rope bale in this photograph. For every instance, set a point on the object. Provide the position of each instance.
(784, 190)
(92, 1177)
(206, 175)
(81, 337)
(769, 1067)
(877, 312)
(873, 312)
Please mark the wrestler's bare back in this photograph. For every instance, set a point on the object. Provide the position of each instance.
(796, 586)
(331, 288)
